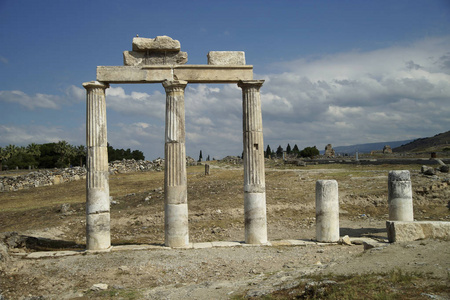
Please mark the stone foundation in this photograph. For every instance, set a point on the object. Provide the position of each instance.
(400, 231)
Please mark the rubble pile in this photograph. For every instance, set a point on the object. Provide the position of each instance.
(131, 165)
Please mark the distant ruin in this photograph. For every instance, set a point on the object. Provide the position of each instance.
(329, 151)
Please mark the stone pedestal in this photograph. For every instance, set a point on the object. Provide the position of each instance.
(175, 183)
(327, 211)
(97, 177)
(400, 196)
(254, 178)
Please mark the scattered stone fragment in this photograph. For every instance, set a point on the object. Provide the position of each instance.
(65, 209)
(99, 287)
(345, 240)
(371, 244)
(444, 169)
(427, 170)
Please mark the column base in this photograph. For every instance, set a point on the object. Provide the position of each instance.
(255, 218)
(98, 235)
(176, 225)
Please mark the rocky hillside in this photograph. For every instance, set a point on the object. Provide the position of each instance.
(436, 143)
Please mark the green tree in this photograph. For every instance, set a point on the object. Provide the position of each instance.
(119, 154)
(66, 152)
(288, 149)
(309, 152)
(295, 150)
(80, 153)
(34, 149)
(49, 157)
(207, 159)
(12, 150)
(4, 155)
(268, 152)
(137, 155)
(200, 157)
(279, 151)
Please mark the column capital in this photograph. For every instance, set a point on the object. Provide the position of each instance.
(95, 84)
(174, 85)
(250, 84)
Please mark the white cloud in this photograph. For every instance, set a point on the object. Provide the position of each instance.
(136, 103)
(26, 134)
(73, 94)
(31, 102)
(394, 93)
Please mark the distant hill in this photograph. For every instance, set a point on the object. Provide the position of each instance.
(366, 148)
(435, 143)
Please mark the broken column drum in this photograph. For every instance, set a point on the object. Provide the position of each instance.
(327, 211)
(400, 196)
(254, 177)
(175, 182)
(97, 177)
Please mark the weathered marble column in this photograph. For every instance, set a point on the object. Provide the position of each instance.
(254, 178)
(400, 196)
(327, 211)
(97, 178)
(175, 182)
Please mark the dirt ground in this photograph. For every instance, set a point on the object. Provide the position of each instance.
(215, 214)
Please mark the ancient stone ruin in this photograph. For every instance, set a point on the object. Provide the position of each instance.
(387, 149)
(329, 151)
(160, 60)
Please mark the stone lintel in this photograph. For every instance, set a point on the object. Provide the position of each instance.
(189, 73)
(404, 231)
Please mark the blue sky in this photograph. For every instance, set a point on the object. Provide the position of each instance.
(339, 72)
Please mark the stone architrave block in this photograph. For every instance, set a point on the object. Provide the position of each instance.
(134, 58)
(158, 44)
(226, 58)
(403, 231)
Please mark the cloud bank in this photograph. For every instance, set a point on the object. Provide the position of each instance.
(395, 93)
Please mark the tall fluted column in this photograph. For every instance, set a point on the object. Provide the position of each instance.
(175, 182)
(254, 178)
(97, 178)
